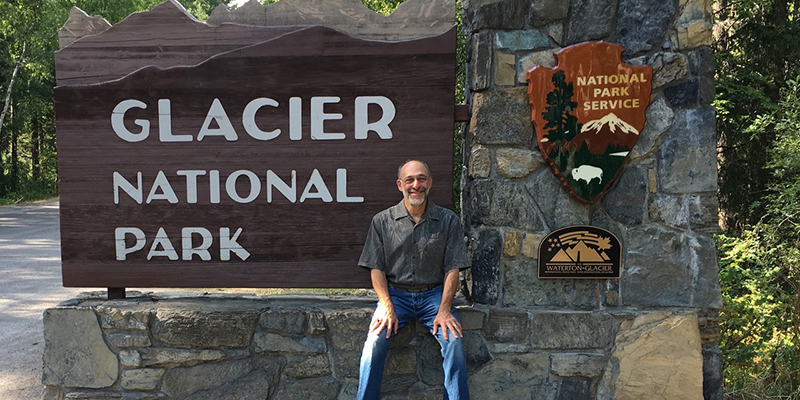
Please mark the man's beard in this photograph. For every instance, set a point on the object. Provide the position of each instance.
(416, 201)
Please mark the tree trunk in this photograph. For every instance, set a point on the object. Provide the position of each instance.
(11, 85)
(14, 176)
(35, 147)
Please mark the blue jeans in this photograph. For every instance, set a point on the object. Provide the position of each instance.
(422, 306)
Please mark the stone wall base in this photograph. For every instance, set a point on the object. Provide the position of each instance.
(308, 347)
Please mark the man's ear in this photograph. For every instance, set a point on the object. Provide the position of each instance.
(399, 185)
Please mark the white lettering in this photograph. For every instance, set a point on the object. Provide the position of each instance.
(255, 186)
(249, 119)
(273, 180)
(322, 192)
(167, 249)
(191, 183)
(319, 116)
(165, 124)
(121, 183)
(186, 243)
(119, 239)
(381, 127)
(167, 193)
(341, 188)
(228, 244)
(216, 113)
(118, 121)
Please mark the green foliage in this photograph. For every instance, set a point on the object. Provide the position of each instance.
(760, 271)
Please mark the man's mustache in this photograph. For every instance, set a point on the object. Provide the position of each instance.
(412, 190)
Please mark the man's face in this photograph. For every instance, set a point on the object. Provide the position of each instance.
(414, 182)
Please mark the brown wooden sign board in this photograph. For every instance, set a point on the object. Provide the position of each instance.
(260, 166)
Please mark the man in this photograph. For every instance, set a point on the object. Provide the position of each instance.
(414, 252)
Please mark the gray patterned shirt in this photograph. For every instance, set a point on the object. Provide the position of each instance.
(417, 254)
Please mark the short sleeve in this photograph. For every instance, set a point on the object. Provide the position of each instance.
(373, 255)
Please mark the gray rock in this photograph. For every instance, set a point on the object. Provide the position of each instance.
(347, 330)
(316, 323)
(572, 330)
(308, 366)
(273, 342)
(486, 255)
(698, 212)
(583, 365)
(162, 356)
(668, 269)
(545, 58)
(81, 395)
(397, 383)
(125, 315)
(518, 163)
(668, 67)
(526, 40)
(292, 321)
(507, 326)
(591, 20)
(497, 348)
(480, 162)
(517, 376)
(544, 11)
(430, 362)
(141, 379)
(557, 205)
(127, 340)
(556, 32)
(574, 389)
(642, 24)
(658, 118)
(683, 94)
(502, 14)
(188, 323)
(626, 200)
(475, 351)
(472, 319)
(307, 389)
(180, 383)
(481, 61)
(523, 289)
(75, 354)
(502, 203)
(254, 386)
(502, 116)
(130, 358)
(712, 373)
(701, 64)
(687, 154)
(401, 361)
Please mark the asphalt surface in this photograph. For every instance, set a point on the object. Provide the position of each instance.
(30, 282)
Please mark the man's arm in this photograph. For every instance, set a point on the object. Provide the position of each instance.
(384, 317)
(444, 318)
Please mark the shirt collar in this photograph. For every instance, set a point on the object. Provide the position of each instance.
(400, 211)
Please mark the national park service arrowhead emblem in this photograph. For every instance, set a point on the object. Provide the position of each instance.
(588, 112)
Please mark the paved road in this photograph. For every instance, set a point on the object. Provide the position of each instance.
(30, 282)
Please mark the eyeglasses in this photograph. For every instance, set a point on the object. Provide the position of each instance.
(410, 180)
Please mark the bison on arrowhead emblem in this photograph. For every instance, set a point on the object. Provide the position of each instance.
(587, 113)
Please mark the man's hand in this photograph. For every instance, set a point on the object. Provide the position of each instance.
(384, 318)
(446, 320)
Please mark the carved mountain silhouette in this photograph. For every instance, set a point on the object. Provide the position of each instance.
(601, 133)
(579, 253)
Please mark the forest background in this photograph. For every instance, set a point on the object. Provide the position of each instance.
(757, 51)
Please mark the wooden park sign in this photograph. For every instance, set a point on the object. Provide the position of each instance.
(588, 112)
(239, 154)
